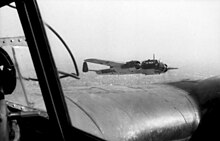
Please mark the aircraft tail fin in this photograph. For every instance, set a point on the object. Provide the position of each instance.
(85, 67)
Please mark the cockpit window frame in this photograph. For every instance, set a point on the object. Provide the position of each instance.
(46, 71)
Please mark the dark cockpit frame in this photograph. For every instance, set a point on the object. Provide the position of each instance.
(31, 20)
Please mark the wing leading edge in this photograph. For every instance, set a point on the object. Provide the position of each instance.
(104, 62)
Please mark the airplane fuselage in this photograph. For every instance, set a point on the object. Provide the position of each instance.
(133, 70)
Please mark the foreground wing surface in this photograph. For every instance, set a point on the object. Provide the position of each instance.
(104, 62)
(119, 113)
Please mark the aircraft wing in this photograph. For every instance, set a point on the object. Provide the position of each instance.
(104, 62)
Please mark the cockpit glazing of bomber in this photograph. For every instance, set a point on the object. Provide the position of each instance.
(34, 105)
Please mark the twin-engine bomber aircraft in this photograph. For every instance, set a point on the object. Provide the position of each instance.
(147, 67)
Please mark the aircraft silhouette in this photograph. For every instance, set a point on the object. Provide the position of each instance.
(147, 67)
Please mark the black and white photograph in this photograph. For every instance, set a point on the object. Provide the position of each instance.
(114, 70)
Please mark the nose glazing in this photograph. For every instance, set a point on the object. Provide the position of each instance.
(165, 68)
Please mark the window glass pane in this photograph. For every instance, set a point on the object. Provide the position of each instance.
(12, 40)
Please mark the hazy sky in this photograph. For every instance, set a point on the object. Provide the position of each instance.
(180, 32)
